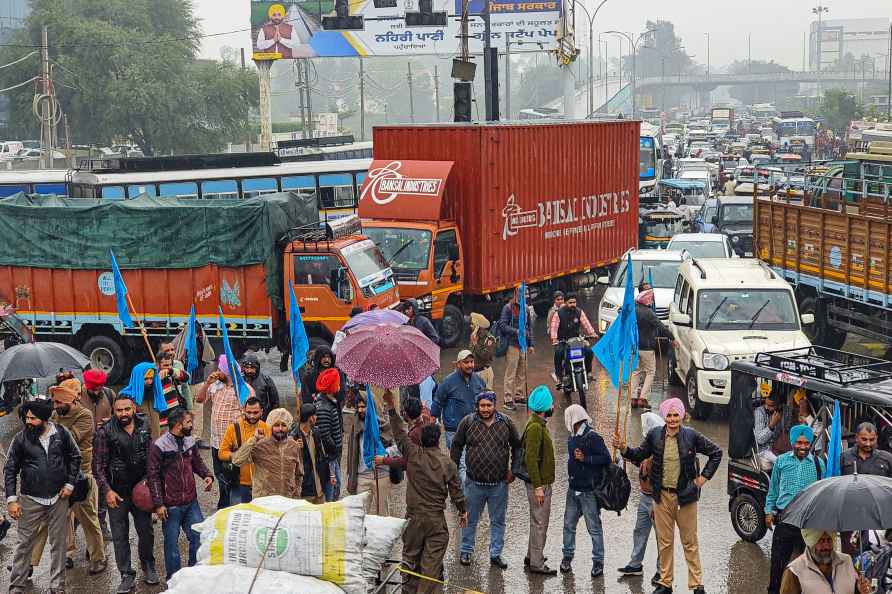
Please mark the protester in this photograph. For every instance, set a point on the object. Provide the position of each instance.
(730, 186)
(432, 476)
(569, 322)
(96, 397)
(264, 387)
(863, 458)
(236, 435)
(483, 346)
(179, 366)
(174, 459)
(48, 460)
(79, 422)
(218, 388)
(555, 306)
(587, 457)
(315, 455)
(492, 443)
(821, 569)
(676, 488)
(120, 458)
(323, 358)
(645, 521)
(539, 459)
(419, 321)
(649, 330)
(792, 473)
(456, 397)
(277, 459)
(766, 430)
(144, 385)
(330, 425)
(360, 477)
(515, 380)
(172, 376)
(416, 416)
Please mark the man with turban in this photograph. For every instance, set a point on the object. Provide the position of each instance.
(539, 460)
(47, 458)
(489, 441)
(277, 459)
(96, 397)
(821, 569)
(650, 328)
(792, 473)
(330, 424)
(676, 488)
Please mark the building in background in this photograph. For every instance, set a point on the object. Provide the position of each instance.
(856, 38)
(12, 18)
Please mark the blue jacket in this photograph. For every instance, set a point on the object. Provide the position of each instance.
(455, 399)
(586, 475)
(509, 326)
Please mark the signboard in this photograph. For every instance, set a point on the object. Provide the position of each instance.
(290, 29)
(406, 190)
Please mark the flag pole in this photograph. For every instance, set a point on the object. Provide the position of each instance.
(629, 403)
(142, 329)
(619, 398)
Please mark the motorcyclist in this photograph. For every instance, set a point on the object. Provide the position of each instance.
(569, 322)
(423, 323)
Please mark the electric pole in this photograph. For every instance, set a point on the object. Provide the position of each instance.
(47, 104)
(507, 76)
(248, 114)
(490, 69)
(361, 100)
(309, 96)
(411, 95)
(437, 91)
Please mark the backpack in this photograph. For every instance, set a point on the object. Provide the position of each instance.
(499, 334)
(485, 348)
(615, 488)
(519, 462)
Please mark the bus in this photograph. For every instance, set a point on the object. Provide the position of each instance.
(796, 128)
(33, 181)
(323, 149)
(650, 162)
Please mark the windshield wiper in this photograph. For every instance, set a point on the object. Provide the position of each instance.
(757, 314)
(399, 251)
(715, 313)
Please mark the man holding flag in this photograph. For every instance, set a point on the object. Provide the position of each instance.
(515, 325)
(363, 435)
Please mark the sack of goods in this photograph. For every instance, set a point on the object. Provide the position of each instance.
(233, 579)
(381, 534)
(327, 541)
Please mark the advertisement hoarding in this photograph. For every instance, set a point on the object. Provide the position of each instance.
(293, 29)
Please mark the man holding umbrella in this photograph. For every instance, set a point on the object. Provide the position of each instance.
(793, 472)
(821, 569)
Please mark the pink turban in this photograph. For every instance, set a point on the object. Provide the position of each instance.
(645, 297)
(672, 405)
(223, 365)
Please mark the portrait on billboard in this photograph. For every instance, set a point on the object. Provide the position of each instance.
(284, 30)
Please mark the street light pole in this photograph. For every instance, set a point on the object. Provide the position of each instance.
(634, 44)
(889, 75)
(591, 42)
(707, 56)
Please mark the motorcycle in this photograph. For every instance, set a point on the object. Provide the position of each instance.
(575, 379)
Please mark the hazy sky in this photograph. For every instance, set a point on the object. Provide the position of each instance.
(776, 26)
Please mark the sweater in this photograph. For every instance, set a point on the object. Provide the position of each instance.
(538, 452)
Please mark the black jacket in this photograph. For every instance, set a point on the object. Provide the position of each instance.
(423, 323)
(690, 443)
(330, 425)
(264, 387)
(323, 454)
(649, 328)
(44, 472)
(120, 459)
(308, 381)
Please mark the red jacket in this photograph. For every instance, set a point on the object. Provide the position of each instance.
(171, 470)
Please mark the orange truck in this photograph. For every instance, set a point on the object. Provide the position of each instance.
(176, 253)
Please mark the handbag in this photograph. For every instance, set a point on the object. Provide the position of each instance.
(231, 472)
(81, 489)
(142, 497)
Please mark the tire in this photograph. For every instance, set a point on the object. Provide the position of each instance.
(747, 518)
(699, 410)
(820, 333)
(107, 354)
(671, 373)
(580, 390)
(452, 326)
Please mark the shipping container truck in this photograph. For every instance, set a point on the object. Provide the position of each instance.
(464, 213)
(835, 246)
(55, 270)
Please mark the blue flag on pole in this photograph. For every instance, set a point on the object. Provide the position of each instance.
(834, 449)
(650, 281)
(300, 344)
(522, 318)
(190, 345)
(371, 434)
(235, 372)
(619, 345)
(120, 293)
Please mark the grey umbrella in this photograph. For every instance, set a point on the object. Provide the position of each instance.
(843, 503)
(39, 359)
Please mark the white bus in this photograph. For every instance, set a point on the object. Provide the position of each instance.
(650, 161)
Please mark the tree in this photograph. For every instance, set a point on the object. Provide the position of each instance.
(838, 107)
(760, 93)
(128, 69)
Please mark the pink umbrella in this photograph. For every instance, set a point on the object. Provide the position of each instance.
(388, 356)
(376, 316)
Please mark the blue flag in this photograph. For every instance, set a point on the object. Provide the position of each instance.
(300, 344)
(619, 345)
(371, 434)
(190, 345)
(235, 372)
(834, 449)
(121, 294)
(522, 318)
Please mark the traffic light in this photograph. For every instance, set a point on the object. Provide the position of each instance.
(461, 93)
(425, 17)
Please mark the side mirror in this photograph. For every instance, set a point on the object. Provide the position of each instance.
(807, 318)
(603, 280)
(680, 319)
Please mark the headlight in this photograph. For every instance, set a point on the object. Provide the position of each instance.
(715, 361)
(735, 238)
(608, 306)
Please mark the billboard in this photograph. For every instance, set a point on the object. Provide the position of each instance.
(290, 29)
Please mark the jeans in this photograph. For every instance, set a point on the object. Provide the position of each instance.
(643, 526)
(225, 498)
(584, 504)
(119, 518)
(181, 517)
(333, 492)
(786, 544)
(478, 496)
(450, 436)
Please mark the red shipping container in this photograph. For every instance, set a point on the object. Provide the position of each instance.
(532, 201)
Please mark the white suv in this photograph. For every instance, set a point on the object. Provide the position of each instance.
(724, 311)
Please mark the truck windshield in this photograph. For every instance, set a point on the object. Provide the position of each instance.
(760, 309)
(366, 262)
(660, 274)
(647, 164)
(662, 227)
(736, 213)
(404, 249)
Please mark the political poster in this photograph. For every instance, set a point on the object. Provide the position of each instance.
(292, 29)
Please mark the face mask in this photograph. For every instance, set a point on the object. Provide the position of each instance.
(549, 413)
(186, 431)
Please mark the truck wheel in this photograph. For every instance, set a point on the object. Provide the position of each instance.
(452, 326)
(747, 518)
(671, 373)
(107, 354)
(820, 332)
(699, 410)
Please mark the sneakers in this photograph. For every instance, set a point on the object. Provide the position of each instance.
(498, 562)
(566, 566)
(544, 570)
(699, 590)
(128, 583)
(661, 589)
(597, 570)
(655, 580)
(630, 570)
(150, 574)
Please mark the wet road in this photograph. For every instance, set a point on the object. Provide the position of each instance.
(730, 565)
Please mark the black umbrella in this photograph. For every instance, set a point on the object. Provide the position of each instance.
(39, 359)
(843, 503)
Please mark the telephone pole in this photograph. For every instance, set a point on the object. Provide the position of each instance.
(47, 104)
(361, 100)
(411, 94)
(437, 91)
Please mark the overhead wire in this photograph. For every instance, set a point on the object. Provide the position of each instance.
(27, 82)
(22, 59)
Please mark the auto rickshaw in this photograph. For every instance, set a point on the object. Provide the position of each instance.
(656, 227)
(804, 383)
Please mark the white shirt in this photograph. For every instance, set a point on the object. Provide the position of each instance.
(45, 442)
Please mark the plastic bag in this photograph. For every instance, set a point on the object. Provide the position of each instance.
(234, 579)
